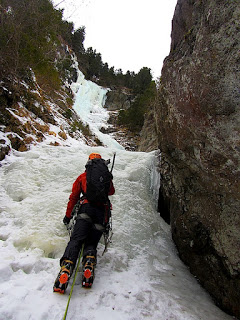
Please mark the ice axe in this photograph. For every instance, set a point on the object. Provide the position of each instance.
(114, 156)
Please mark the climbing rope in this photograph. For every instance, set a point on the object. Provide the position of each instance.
(74, 280)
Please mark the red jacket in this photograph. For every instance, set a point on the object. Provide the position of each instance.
(80, 186)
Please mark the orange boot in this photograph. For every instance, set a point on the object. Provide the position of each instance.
(89, 264)
(63, 277)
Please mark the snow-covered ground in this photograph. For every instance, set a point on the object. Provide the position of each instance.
(139, 277)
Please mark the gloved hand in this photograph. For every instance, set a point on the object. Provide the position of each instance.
(66, 220)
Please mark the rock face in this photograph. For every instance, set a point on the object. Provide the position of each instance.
(4, 149)
(148, 135)
(198, 123)
(118, 99)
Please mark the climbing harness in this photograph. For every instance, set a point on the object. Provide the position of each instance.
(85, 216)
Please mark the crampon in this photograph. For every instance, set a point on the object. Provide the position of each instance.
(63, 277)
(88, 272)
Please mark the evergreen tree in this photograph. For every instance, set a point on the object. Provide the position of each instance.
(133, 117)
(142, 80)
(29, 35)
(95, 64)
(78, 40)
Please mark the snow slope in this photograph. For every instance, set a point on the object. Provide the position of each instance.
(139, 277)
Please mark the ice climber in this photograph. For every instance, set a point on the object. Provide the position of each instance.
(91, 189)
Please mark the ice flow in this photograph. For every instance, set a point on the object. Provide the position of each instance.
(89, 102)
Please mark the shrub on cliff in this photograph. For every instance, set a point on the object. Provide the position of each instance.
(29, 38)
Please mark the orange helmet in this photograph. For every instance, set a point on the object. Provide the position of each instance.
(94, 156)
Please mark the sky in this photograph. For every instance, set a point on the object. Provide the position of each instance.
(129, 34)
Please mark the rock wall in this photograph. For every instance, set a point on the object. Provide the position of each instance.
(198, 123)
(118, 99)
(148, 135)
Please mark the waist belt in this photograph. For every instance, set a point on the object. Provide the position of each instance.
(85, 216)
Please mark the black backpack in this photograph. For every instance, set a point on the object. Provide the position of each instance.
(98, 181)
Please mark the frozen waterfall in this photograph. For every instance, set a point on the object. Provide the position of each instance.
(89, 102)
(139, 277)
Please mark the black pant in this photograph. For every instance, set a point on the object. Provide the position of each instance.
(85, 232)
